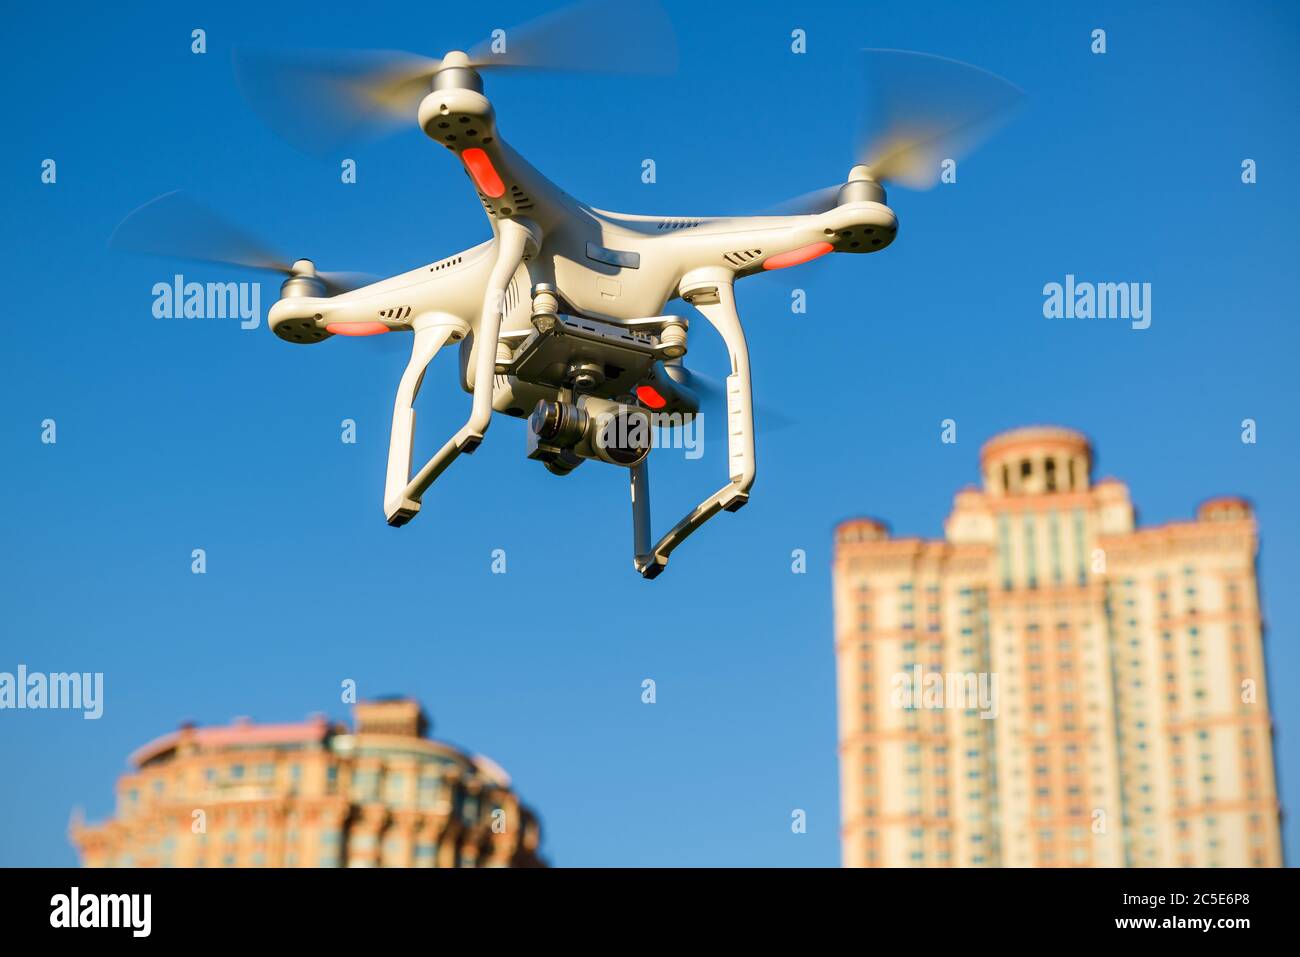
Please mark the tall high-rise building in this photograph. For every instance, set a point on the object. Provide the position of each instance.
(313, 794)
(1050, 685)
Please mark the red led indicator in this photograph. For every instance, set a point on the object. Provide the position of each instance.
(796, 257)
(356, 328)
(649, 395)
(484, 173)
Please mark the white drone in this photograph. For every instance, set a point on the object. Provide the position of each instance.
(560, 316)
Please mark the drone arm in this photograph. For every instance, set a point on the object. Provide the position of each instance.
(514, 244)
(712, 295)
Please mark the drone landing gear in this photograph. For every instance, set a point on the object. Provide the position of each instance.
(651, 563)
(716, 301)
(401, 500)
(402, 497)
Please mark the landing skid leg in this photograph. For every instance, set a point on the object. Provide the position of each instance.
(513, 244)
(713, 297)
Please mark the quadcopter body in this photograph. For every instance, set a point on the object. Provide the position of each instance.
(561, 313)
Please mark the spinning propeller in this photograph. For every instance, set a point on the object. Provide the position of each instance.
(318, 99)
(177, 226)
(925, 109)
(712, 396)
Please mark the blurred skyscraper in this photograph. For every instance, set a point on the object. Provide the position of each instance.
(313, 794)
(1050, 685)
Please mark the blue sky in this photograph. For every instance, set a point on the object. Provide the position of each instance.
(177, 435)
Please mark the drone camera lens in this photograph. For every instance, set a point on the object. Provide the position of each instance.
(558, 423)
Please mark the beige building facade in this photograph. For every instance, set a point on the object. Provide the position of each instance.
(313, 794)
(1050, 685)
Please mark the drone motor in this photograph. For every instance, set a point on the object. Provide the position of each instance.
(303, 282)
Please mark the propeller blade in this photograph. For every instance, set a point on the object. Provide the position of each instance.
(713, 400)
(320, 99)
(594, 36)
(177, 226)
(926, 109)
(807, 204)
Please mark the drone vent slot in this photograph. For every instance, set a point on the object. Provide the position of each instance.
(742, 257)
(521, 199)
(446, 264)
(396, 313)
(678, 223)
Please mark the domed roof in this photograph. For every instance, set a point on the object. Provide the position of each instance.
(1039, 438)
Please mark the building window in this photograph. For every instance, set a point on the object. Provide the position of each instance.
(1004, 551)
(1079, 547)
(1031, 553)
(365, 785)
(1054, 540)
